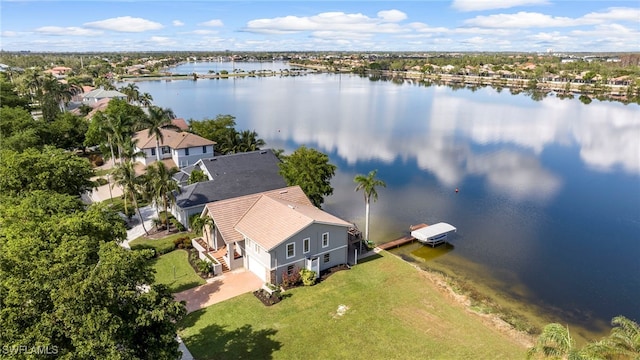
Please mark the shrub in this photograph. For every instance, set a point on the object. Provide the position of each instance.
(186, 243)
(177, 224)
(204, 266)
(308, 277)
(292, 280)
(102, 181)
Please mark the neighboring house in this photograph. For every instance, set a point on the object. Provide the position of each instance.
(229, 176)
(98, 94)
(276, 232)
(184, 148)
(181, 124)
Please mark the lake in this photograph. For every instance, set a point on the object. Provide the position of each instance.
(548, 208)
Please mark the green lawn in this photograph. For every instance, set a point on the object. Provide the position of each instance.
(162, 246)
(173, 270)
(394, 312)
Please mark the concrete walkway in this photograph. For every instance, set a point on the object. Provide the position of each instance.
(219, 288)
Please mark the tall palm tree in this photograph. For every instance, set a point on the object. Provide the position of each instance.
(125, 176)
(60, 92)
(368, 185)
(121, 128)
(164, 186)
(157, 120)
(132, 91)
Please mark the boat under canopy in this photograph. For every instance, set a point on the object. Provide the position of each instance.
(433, 234)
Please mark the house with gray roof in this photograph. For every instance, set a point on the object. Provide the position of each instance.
(229, 176)
(95, 95)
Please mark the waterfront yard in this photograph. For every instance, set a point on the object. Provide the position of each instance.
(381, 309)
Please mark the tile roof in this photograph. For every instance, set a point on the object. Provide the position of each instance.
(101, 93)
(233, 176)
(226, 213)
(268, 218)
(172, 139)
(180, 123)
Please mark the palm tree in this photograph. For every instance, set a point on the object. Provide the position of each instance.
(61, 93)
(204, 225)
(164, 186)
(554, 342)
(368, 185)
(125, 176)
(157, 120)
(624, 338)
(249, 141)
(132, 92)
(146, 99)
(121, 128)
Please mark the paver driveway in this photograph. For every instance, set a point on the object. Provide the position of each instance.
(219, 288)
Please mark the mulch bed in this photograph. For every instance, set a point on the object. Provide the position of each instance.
(274, 298)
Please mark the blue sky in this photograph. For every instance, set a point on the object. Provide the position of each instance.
(456, 25)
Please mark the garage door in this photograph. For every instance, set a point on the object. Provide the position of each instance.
(257, 268)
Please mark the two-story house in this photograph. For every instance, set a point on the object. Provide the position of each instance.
(276, 232)
(182, 147)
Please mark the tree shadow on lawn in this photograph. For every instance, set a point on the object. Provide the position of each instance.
(215, 342)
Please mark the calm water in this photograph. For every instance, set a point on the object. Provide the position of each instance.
(549, 205)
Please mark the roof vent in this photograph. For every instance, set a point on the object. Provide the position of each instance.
(263, 152)
(291, 206)
(283, 192)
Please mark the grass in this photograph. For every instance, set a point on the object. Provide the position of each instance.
(103, 172)
(394, 312)
(173, 269)
(162, 245)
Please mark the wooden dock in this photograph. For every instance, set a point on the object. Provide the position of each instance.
(403, 240)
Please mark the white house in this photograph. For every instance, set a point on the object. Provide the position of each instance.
(182, 147)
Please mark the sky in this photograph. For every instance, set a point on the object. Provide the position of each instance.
(429, 25)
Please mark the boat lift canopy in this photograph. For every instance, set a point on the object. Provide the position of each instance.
(433, 233)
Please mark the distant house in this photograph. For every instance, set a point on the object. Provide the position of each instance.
(184, 148)
(59, 72)
(229, 176)
(275, 233)
(95, 95)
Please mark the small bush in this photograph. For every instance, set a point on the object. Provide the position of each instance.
(204, 266)
(292, 280)
(186, 243)
(102, 181)
(177, 224)
(308, 277)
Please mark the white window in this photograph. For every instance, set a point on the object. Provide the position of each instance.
(325, 240)
(186, 151)
(306, 245)
(204, 149)
(166, 150)
(153, 152)
(291, 250)
(256, 247)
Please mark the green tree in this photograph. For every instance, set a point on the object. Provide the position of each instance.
(65, 283)
(311, 170)
(214, 129)
(368, 183)
(124, 175)
(9, 96)
(68, 131)
(19, 130)
(157, 120)
(624, 340)
(197, 176)
(203, 226)
(249, 141)
(47, 169)
(132, 91)
(163, 185)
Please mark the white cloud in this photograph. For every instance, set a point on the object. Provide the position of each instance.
(203, 32)
(385, 22)
(479, 5)
(214, 22)
(162, 40)
(616, 14)
(125, 24)
(177, 23)
(521, 20)
(9, 34)
(66, 31)
(392, 15)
